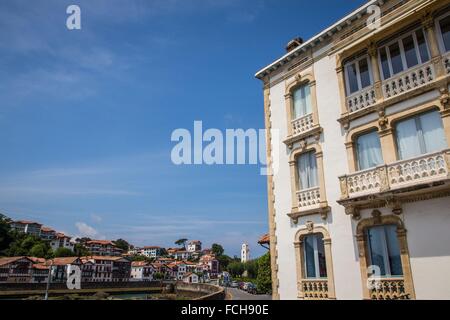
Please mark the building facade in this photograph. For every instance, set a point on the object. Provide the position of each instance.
(103, 248)
(28, 227)
(194, 246)
(60, 240)
(358, 121)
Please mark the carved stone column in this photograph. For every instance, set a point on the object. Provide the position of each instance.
(294, 184)
(445, 112)
(289, 112)
(387, 142)
(430, 34)
(330, 272)
(315, 110)
(363, 264)
(351, 156)
(341, 83)
(323, 195)
(373, 55)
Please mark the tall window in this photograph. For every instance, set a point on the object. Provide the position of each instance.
(314, 251)
(368, 149)
(444, 26)
(302, 101)
(307, 170)
(405, 53)
(419, 135)
(358, 75)
(384, 250)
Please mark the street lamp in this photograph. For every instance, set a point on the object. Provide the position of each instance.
(49, 279)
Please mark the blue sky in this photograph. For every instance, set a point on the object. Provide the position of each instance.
(86, 116)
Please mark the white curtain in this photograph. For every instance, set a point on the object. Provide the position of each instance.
(302, 101)
(419, 135)
(369, 151)
(307, 171)
(433, 133)
(408, 139)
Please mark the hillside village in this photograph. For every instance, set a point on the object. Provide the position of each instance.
(106, 260)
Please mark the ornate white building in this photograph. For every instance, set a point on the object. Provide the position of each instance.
(363, 115)
(245, 252)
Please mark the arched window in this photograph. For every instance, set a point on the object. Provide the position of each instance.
(302, 101)
(314, 263)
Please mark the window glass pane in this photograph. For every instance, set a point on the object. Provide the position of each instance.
(396, 59)
(307, 170)
(369, 150)
(433, 132)
(410, 52)
(408, 144)
(351, 78)
(423, 49)
(364, 73)
(302, 101)
(445, 29)
(321, 256)
(395, 262)
(385, 64)
(309, 257)
(375, 240)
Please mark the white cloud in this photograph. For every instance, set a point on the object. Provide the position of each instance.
(86, 231)
(96, 218)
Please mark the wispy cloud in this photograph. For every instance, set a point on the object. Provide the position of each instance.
(85, 230)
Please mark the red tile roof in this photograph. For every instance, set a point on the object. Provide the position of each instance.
(265, 239)
(102, 242)
(8, 260)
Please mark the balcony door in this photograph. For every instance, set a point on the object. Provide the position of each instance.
(368, 149)
(403, 54)
(358, 75)
(419, 135)
(315, 261)
(302, 101)
(384, 250)
(307, 171)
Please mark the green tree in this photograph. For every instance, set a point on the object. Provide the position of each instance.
(122, 244)
(38, 250)
(217, 249)
(181, 242)
(158, 276)
(63, 252)
(264, 278)
(252, 268)
(236, 268)
(80, 250)
(5, 234)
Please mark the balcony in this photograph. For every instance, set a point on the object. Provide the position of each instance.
(309, 198)
(446, 61)
(404, 178)
(361, 99)
(301, 128)
(315, 289)
(389, 289)
(410, 79)
(308, 203)
(302, 124)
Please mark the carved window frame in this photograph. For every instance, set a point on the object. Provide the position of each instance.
(311, 229)
(300, 80)
(363, 250)
(323, 207)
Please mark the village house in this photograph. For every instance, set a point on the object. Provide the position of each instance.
(110, 268)
(142, 271)
(62, 266)
(151, 251)
(47, 233)
(103, 248)
(28, 227)
(194, 246)
(15, 270)
(61, 241)
(190, 278)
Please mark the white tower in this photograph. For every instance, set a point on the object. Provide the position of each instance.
(245, 253)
